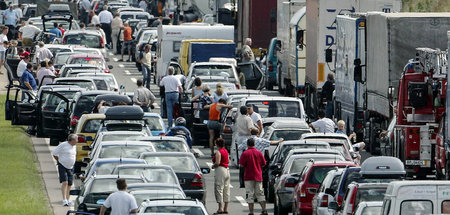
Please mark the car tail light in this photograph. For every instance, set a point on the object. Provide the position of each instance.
(352, 200)
(74, 121)
(197, 181)
(227, 129)
(359, 126)
(107, 71)
(238, 87)
(270, 66)
(102, 44)
(162, 134)
(324, 201)
(81, 139)
(339, 200)
(302, 91)
(289, 185)
(57, 71)
(302, 191)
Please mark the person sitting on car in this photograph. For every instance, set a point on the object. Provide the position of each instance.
(180, 129)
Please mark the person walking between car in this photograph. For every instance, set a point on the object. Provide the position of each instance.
(244, 125)
(261, 144)
(221, 176)
(43, 53)
(116, 25)
(204, 102)
(106, 18)
(10, 18)
(55, 32)
(180, 130)
(327, 94)
(143, 97)
(323, 124)
(28, 33)
(219, 93)
(65, 155)
(85, 8)
(246, 52)
(145, 58)
(127, 42)
(253, 161)
(214, 120)
(121, 202)
(172, 90)
(45, 75)
(256, 118)
(27, 79)
(357, 147)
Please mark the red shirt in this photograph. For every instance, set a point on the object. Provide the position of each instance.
(223, 158)
(252, 160)
(23, 54)
(62, 31)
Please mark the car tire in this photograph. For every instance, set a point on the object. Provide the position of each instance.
(54, 142)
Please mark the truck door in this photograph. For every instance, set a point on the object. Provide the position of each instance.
(21, 110)
(54, 115)
(254, 76)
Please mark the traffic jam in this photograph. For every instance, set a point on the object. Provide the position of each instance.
(212, 107)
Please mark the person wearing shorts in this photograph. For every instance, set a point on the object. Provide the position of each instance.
(65, 155)
(126, 45)
(253, 161)
(214, 120)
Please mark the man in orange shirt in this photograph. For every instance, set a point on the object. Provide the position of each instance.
(127, 42)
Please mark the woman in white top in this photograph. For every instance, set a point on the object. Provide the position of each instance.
(116, 25)
(219, 93)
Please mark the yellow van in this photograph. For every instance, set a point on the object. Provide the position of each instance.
(86, 130)
(184, 50)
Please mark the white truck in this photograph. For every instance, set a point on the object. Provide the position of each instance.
(310, 36)
(170, 37)
(371, 52)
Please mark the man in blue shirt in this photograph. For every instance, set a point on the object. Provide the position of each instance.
(10, 18)
(27, 80)
(56, 33)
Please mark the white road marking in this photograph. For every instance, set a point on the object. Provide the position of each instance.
(133, 80)
(121, 66)
(115, 59)
(127, 72)
(110, 54)
(242, 201)
(199, 152)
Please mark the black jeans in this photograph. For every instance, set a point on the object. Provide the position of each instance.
(108, 31)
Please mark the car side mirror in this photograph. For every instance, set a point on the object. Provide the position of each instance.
(205, 170)
(74, 192)
(86, 148)
(333, 206)
(110, 67)
(329, 191)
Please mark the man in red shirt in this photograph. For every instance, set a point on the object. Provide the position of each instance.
(253, 160)
(126, 40)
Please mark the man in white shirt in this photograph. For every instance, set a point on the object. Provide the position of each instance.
(143, 97)
(19, 11)
(43, 53)
(3, 38)
(28, 33)
(256, 118)
(323, 124)
(99, 28)
(172, 86)
(94, 20)
(106, 18)
(120, 202)
(23, 65)
(65, 155)
(45, 75)
(143, 5)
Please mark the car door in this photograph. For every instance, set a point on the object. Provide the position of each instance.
(54, 115)
(254, 76)
(21, 110)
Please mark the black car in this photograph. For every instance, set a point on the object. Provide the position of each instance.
(186, 168)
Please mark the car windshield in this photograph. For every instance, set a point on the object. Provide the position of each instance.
(91, 126)
(276, 108)
(88, 85)
(109, 185)
(371, 210)
(154, 123)
(85, 103)
(108, 78)
(49, 25)
(88, 51)
(175, 209)
(300, 163)
(213, 70)
(151, 34)
(126, 16)
(169, 146)
(101, 84)
(288, 134)
(152, 175)
(288, 147)
(318, 173)
(89, 40)
(129, 136)
(341, 149)
(141, 197)
(373, 194)
(178, 163)
(124, 151)
(92, 61)
(61, 59)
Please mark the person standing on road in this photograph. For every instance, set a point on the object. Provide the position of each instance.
(85, 8)
(219, 93)
(214, 120)
(23, 65)
(27, 79)
(65, 154)
(180, 130)
(246, 52)
(145, 58)
(204, 101)
(221, 176)
(126, 41)
(116, 25)
(323, 124)
(43, 53)
(244, 126)
(99, 29)
(357, 147)
(120, 202)
(327, 94)
(28, 33)
(253, 161)
(106, 18)
(197, 91)
(45, 75)
(10, 18)
(143, 5)
(172, 89)
(94, 20)
(56, 33)
(256, 118)
(143, 97)
(260, 143)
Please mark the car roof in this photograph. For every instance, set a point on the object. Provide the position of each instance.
(211, 63)
(81, 65)
(298, 156)
(143, 191)
(162, 138)
(371, 185)
(115, 176)
(81, 55)
(270, 98)
(104, 133)
(174, 154)
(175, 202)
(124, 160)
(382, 165)
(70, 32)
(92, 116)
(95, 92)
(333, 163)
(72, 79)
(57, 87)
(290, 123)
(124, 143)
(301, 142)
(156, 185)
(324, 135)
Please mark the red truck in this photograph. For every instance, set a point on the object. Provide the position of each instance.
(421, 103)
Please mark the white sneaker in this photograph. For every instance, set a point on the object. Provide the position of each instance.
(70, 203)
(65, 202)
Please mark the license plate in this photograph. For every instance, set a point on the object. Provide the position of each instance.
(182, 180)
(415, 162)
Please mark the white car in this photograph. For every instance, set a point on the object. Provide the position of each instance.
(369, 208)
(326, 193)
(111, 80)
(175, 206)
(225, 70)
(88, 38)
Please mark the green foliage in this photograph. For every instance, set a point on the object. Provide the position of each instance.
(426, 6)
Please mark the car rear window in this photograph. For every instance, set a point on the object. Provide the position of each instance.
(299, 164)
(91, 126)
(318, 173)
(276, 108)
(154, 123)
(169, 146)
(213, 70)
(84, 103)
(173, 209)
(416, 207)
(113, 137)
(88, 85)
(108, 185)
(92, 61)
(370, 194)
(178, 163)
(124, 151)
(89, 40)
(288, 147)
(288, 134)
(101, 84)
(371, 210)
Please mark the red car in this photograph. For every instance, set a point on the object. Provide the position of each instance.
(309, 182)
(92, 59)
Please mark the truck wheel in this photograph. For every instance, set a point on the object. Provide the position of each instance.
(54, 141)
